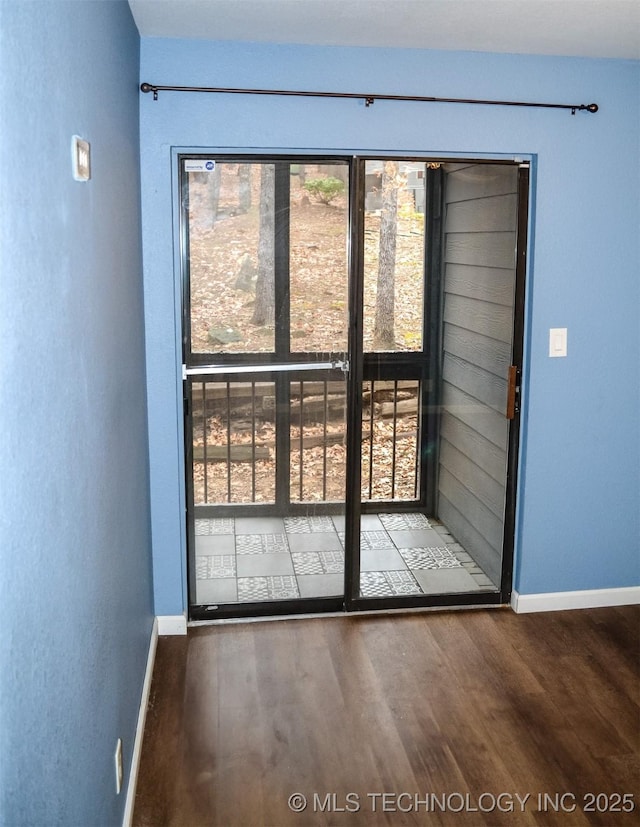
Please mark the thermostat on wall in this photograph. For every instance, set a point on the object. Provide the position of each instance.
(81, 158)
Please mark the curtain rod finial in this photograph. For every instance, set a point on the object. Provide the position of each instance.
(593, 107)
(147, 87)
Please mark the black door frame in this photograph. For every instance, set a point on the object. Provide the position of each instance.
(351, 602)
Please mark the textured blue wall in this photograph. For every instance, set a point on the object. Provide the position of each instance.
(578, 521)
(76, 585)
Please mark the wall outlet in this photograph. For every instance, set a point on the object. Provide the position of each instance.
(118, 761)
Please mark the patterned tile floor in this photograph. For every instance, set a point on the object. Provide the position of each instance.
(250, 559)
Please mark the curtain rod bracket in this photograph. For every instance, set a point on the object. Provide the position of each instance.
(369, 100)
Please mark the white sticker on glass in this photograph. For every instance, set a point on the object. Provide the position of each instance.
(199, 165)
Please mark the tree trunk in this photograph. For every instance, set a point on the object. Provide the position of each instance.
(213, 193)
(264, 310)
(244, 188)
(384, 334)
(339, 171)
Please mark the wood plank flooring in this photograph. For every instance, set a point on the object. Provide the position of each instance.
(451, 714)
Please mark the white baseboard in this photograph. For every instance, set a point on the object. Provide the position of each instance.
(172, 625)
(587, 599)
(142, 716)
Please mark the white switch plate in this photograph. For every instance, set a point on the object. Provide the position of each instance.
(557, 341)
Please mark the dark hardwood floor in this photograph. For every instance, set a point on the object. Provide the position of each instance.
(451, 714)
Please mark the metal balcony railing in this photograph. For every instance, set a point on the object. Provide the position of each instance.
(238, 432)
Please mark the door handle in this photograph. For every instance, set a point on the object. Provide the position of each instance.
(212, 370)
(513, 390)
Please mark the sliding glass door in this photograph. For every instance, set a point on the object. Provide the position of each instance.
(352, 347)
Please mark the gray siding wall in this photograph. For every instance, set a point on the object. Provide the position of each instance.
(479, 280)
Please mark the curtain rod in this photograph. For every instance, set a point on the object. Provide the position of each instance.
(368, 99)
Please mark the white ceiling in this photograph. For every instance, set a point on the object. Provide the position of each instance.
(589, 28)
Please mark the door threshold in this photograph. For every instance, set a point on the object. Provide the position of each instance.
(194, 624)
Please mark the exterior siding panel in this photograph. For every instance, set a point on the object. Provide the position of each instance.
(478, 287)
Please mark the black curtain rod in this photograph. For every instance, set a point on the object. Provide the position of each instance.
(368, 99)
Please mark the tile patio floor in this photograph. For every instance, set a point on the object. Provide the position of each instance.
(248, 559)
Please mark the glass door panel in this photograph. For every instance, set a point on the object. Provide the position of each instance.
(391, 418)
(394, 255)
(266, 323)
(234, 449)
(229, 212)
(441, 244)
(318, 443)
(319, 267)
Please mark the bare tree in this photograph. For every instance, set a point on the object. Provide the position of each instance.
(244, 188)
(211, 180)
(264, 310)
(384, 332)
(339, 171)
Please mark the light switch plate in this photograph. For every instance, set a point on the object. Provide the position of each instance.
(558, 341)
(81, 158)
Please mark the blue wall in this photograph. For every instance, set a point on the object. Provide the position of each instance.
(76, 585)
(578, 522)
